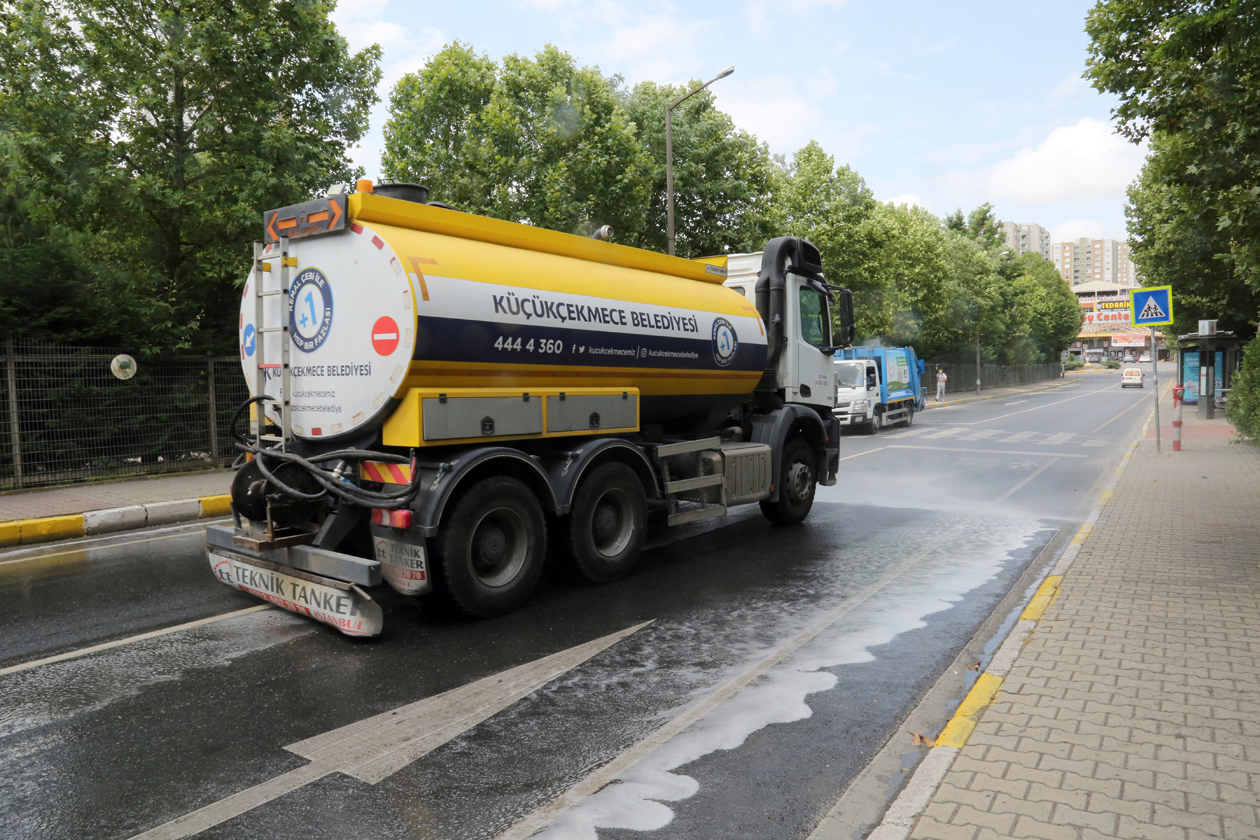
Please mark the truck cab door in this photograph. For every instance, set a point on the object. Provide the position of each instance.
(811, 374)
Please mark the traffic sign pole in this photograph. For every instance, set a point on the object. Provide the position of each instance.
(1155, 376)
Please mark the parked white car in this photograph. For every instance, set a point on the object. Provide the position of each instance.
(1132, 376)
(1146, 357)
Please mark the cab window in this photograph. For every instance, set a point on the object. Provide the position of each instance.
(815, 327)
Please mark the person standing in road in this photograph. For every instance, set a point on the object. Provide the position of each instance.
(941, 379)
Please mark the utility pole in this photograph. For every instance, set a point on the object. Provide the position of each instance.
(669, 152)
(1155, 376)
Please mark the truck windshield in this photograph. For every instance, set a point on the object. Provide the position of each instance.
(849, 376)
(815, 327)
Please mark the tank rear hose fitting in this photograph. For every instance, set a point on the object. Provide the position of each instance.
(333, 481)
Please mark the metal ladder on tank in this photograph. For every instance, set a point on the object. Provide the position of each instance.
(263, 267)
(674, 488)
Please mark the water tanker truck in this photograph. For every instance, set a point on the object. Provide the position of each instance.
(440, 401)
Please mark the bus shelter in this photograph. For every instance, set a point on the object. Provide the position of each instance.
(1206, 368)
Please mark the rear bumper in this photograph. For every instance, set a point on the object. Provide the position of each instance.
(314, 582)
(334, 602)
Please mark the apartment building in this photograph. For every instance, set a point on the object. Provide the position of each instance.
(1024, 238)
(1088, 260)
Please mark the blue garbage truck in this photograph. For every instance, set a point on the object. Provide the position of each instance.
(878, 386)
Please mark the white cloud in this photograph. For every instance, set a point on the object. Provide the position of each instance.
(1070, 229)
(909, 198)
(757, 9)
(1086, 160)
(773, 109)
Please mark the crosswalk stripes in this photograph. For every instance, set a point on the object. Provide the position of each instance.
(961, 434)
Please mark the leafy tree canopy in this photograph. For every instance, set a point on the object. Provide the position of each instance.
(153, 134)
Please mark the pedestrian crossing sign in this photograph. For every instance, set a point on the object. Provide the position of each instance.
(1151, 307)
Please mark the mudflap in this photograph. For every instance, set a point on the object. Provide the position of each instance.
(334, 602)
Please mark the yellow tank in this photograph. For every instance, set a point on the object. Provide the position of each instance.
(411, 308)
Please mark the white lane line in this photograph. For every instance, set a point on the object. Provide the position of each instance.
(607, 774)
(1130, 408)
(1018, 437)
(1055, 440)
(88, 543)
(981, 435)
(984, 451)
(1047, 405)
(1094, 443)
(152, 634)
(375, 748)
(860, 454)
(1017, 402)
(1019, 486)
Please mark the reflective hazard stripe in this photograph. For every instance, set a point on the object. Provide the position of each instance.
(385, 473)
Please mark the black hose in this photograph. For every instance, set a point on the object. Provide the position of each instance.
(332, 485)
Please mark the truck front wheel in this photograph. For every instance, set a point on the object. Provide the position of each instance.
(491, 548)
(798, 478)
(604, 533)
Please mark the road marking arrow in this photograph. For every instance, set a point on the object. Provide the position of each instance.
(377, 747)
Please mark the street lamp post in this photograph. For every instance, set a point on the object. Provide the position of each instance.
(669, 151)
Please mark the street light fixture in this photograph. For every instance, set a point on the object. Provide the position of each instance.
(669, 151)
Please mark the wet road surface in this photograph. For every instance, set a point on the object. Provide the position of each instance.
(795, 651)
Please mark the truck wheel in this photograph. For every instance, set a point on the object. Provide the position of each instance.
(604, 533)
(873, 426)
(491, 548)
(798, 477)
(910, 417)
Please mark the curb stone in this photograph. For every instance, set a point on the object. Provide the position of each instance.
(112, 520)
(904, 813)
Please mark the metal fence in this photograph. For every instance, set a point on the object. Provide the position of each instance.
(64, 417)
(963, 377)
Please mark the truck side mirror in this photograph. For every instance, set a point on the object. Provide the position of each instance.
(848, 329)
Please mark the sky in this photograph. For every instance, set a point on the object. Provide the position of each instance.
(944, 105)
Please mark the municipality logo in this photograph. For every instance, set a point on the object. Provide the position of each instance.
(725, 342)
(310, 310)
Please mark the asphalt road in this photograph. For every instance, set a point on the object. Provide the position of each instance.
(773, 664)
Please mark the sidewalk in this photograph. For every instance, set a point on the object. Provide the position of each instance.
(105, 507)
(995, 393)
(1133, 708)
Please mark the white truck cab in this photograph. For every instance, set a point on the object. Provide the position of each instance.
(857, 392)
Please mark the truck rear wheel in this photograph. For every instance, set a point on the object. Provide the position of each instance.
(798, 478)
(604, 533)
(491, 548)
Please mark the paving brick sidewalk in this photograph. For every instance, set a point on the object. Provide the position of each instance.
(80, 498)
(1134, 709)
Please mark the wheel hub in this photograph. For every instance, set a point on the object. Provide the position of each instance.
(799, 478)
(605, 522)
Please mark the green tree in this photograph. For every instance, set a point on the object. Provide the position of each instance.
(538, 140)
(1176, 242)
(435, 132)
(1186, 73)
(154, 133)
(723, 176)
(833, 208)
(980, 224)
(1055, 318)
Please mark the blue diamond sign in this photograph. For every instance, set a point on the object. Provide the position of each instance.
(1151, 307)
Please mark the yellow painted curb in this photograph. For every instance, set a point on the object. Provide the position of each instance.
(1104, 498)
(1083, 534)
(49, 528)
(216, 506)
(1046, 593)
(10, 533)
(960, 727)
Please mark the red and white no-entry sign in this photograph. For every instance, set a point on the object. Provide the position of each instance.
(385, 336)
